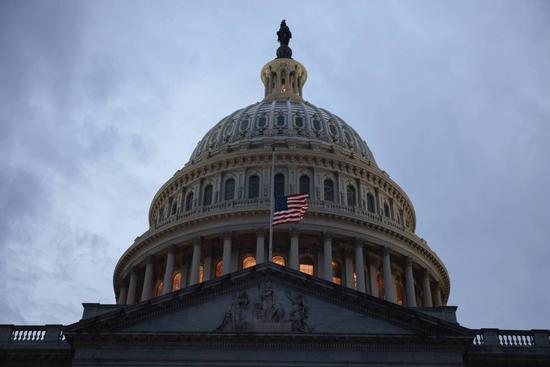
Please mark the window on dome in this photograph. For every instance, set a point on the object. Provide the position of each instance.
(219, 268)
(201, 273)
(279, 260)
(283, 86)
(279, 185)
(280, 120)
(174, 207)
(386, 209)
(333, 130)
(253, 187)
(317, 124)
(262, 122)
(304, 184)
(299, 121)
(189, 202)
(207, 199)
(351, 196)
(176, 281)
(244, 124)
(370, 202)
(158, 288)
(336, 273)
(380, 284)
(229, 193)
(249, 261)
(306, 265)
(328, 186)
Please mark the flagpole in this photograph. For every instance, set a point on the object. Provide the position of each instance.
(271, 204)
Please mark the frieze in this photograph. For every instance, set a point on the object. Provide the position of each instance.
(266, 314)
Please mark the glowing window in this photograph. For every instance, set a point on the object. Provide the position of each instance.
(380, 284)
(201, 273)
(306, 266)
(176, 281)
(279, 260)
(219, 268)
(354, 280)
(158, 288)
(336, 273)
(248, 262)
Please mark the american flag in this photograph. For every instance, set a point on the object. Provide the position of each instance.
(290, 209)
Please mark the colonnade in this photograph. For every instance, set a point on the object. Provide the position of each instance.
(365, 268)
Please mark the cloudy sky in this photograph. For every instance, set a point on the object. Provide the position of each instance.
(102, 101)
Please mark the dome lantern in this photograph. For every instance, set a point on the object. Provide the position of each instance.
(284, 77)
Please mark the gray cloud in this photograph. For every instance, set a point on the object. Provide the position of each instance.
(100, 103)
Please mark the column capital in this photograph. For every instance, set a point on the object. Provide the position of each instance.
(196, 241)
(327, 236)
(227, 235)
(358, 242)
(386, 250)
(171, 248)
(260, 232)
(294, 231)
(408, 261)
(149, 259)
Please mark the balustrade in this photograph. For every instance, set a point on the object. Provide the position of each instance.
(30, 334)
(512, 338)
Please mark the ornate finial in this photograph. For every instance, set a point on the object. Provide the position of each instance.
(283, 36)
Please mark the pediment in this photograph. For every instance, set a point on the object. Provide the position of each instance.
(268, 299)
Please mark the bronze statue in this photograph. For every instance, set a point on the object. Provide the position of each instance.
(283, 36)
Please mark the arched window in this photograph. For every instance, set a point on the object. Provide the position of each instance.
(253, 187)
(304, 185)
(201, 273)
(386, 209)
(399, 291)
(174, 207)
(329, 190)
(207, 197)
(158, 288)
(229, 193)
(370, 202)
(279, 185)
(176, 281)
(189, 202)
(351, 195)
(306, 265)
(336, 273)
(380, 284)
(279, 260)
(219, 268)
(248, 262)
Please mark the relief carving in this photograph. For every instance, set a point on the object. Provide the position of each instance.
(267, 315)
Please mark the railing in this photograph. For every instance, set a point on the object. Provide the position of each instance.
(31, 334)
(512, 338)
(317, 205)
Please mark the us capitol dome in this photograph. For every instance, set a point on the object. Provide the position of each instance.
(212, 217)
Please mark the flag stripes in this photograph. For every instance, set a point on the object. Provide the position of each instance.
(290, 209)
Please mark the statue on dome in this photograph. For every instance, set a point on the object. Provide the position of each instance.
(283, 36)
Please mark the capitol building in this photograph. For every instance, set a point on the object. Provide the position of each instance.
(349, 284)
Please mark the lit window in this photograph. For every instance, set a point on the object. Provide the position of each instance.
(306, 265)
(380, 284)
(158, 288)
(248, 262)
(219, 268)
(336, 273)
(201, 273)
(399, 291)
(176, 281)
(354, 280)
(279, 260)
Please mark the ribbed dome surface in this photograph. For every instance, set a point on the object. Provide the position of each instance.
(273, 120)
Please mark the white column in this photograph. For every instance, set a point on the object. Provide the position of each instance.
(327, 257)
(294, 250)
(360, 266)
(427, 290)
(207, 268)
(170, 258)
(122, 295)
(260, 246)
(226, 266)
(132, 288)
(147, 291)
(409, 283)
(437, 296)
(389, 287)
(195, 262)
(348, 264)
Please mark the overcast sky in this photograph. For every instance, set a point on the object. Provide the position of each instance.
(102, 101)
